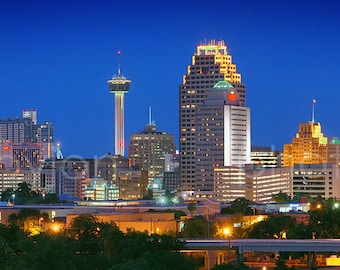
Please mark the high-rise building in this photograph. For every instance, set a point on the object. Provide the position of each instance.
(308, 147)
(24, 131)
(222, 134)
(119, 85)
(45, 138)
(148, 148)
(211, 63)
(17, 130)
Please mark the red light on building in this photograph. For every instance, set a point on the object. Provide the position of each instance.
(232, 96)
(5, 148)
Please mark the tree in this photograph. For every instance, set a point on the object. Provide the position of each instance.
(281, 197)
(195, 227)
(192, 208)
(238, 206)
(274, 227)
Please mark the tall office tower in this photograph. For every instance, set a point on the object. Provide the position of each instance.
(222, 135)
(211, 63)
(148, 148)
(118, 86)
(17, 130)
(45, 138)
(308, 147)
(25, 130)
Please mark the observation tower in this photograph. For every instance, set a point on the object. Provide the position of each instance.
(119, 85)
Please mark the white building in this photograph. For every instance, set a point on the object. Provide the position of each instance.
(222, 135)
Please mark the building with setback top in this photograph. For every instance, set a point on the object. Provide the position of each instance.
(211, 63)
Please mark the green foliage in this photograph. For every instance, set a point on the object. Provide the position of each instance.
(197, 227)
(281, 197)
(274, 227)
(280, 264)
(90, 244)
(25, 195)
(239, 206)
(192, 208)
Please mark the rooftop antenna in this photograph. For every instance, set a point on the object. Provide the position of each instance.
(313, 110)
(59, 154)
(119, 53)
(150, 119)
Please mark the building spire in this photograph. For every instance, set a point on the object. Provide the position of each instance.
(119, 53)
(313, 110)
(150, 117)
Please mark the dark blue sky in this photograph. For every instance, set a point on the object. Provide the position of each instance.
(56, 57)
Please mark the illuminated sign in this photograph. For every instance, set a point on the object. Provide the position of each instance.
(232, 96)
(5, 148)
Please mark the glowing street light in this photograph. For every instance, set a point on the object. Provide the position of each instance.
(227, 233)
(13, 197)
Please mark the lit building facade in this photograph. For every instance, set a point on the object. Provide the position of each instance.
(65, 177)
(255, 183)
(313, 180)
(266, 157)
(222, 135)
(308, 147)
(108, 167)
(98, 190)
(10, 178)
(133, 184)
(23, 132)
(263, 182)
(211, 63)
(229, 183)
(148, 148)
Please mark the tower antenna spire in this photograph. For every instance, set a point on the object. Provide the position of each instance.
(150, 119)
(313, 110)
(119, 53)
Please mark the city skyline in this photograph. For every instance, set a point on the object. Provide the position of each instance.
(57, 58)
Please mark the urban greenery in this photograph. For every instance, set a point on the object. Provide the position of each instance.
(90, 244)
(25, 195)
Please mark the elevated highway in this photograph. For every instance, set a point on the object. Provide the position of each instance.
(289, 245)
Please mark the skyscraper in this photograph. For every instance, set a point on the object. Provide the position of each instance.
(118, 86)
(148, 148)
(222, 135)
(308, 147)
(211, 63)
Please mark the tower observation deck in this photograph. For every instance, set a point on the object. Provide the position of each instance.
(119, 85)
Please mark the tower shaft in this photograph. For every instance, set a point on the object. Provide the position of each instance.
(119, 123)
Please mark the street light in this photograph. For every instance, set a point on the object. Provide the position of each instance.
(13, 196)
(227, 233)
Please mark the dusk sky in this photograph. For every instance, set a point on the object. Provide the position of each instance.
(56, 57)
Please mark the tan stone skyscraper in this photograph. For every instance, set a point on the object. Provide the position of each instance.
(211, 63)
(308, 147)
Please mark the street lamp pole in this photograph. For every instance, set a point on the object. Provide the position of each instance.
(227, 234)
(13, 196)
